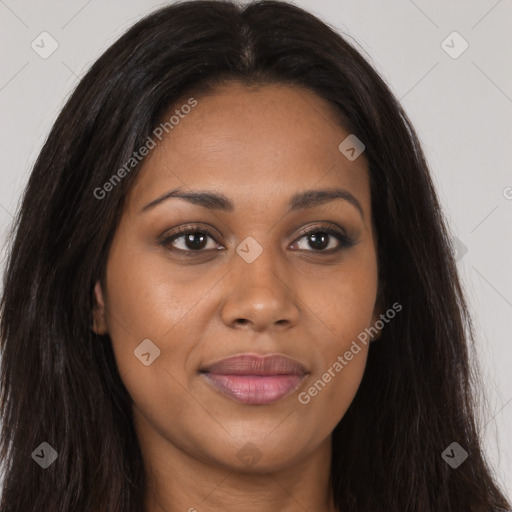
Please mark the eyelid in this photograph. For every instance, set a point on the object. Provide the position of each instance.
(190, 228)
(319, 226)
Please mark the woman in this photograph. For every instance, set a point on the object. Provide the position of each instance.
(230, 210)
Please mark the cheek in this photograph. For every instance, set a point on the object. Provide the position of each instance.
(329, 394)
(153, 309)
(146, 295)
(344, 309)
(342, 353)
(344, 303)
(142, 306)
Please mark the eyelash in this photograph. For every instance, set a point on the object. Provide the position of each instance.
(345, 242)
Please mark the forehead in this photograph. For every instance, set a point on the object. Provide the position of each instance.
(262, 144)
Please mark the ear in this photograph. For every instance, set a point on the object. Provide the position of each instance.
(98, 314)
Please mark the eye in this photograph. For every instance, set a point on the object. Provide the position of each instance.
(189, 239)
(320, 239)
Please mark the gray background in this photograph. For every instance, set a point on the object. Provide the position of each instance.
(461, 108)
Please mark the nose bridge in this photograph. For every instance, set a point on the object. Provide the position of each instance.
(259, 265)
(259, 293)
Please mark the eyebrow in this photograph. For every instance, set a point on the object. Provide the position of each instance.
(217, 201)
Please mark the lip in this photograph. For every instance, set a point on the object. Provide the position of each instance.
(255, 380)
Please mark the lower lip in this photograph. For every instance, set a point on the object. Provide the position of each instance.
(255, 389)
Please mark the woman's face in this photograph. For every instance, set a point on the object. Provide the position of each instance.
(247, 279)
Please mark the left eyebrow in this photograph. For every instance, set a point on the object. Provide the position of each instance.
(311, 198)
(299, 201)
(209, 200)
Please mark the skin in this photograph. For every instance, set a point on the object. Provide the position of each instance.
(258, 147)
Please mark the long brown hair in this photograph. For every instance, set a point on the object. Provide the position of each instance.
(59, 381)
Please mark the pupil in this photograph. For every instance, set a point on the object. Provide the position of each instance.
(316, 237)
(191, 244)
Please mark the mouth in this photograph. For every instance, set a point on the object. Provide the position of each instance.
(255, 380)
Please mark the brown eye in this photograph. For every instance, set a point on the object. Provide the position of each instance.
(325, 239)
(189, 239)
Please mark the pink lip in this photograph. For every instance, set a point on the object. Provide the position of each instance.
(255, 380)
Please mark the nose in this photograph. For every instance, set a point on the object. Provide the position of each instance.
(260, 295)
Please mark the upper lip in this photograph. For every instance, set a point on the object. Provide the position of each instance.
(250, 364)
